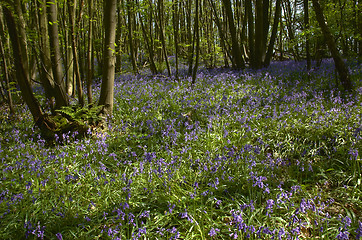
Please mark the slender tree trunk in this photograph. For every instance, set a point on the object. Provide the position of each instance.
(23, 37)
(197, 39)
(5, 70)
(237, 59)
(259, 31)
(90, 53)
(75, 54)
(45, 65)
(61, 98)
(273, 36)
(338, 61)
(306, 24)
(107, 88)
(175, 21)
(162, 35)
(21, 74)
(190, 38)
(69, 63)
(281, 45)
(222, 37)
(266, 25)
(359, 24)
(149, 47)
(119, 37)
(290, 28)
(130, 12)
(251, 32)
(150, 41)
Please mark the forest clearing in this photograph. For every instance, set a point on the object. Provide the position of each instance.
(273, 153)
(169, 119)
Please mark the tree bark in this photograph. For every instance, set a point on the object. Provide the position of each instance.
(190, 39)
(90, 53)
(61, 99)
(290, 28)
(237, 59)
(223, 41)
(338, 61)
(197, 39)
(251, 32)
(149, 46)
(359, 19)
(21, 74)
(273, 36)
(107, 88)
(259, 32)
(45, 69)
(5, 70)
(306, 25)
(23, 38)
(75, 53)
(130, 12)
(175, 22)
(162, 34)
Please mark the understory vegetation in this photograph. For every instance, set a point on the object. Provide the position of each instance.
(267, 154)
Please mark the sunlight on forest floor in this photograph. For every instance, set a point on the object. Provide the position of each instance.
(274, 153)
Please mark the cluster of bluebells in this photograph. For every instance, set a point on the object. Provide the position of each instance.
(176, 159)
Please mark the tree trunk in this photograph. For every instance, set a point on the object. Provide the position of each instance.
(61, 99)
(273, 36)
(45, 65)
(5, 70)
(149, 40)
(162, 35)
(338, 61)
(266, 24)
(197, 39)
(259, 32)
(251, 32)
(237, 59)
(69, 64)
(107, 88)
(90, 53)
(71, 9)
(291, 30)
(306, 25)
(23, 38)
(149, 46)
(21, 74)
(359, 24)
(223, 41)
(130, 36)
(281, 45)
(175, 21)
(190, 39)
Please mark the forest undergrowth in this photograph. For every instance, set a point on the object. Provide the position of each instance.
(268, 154)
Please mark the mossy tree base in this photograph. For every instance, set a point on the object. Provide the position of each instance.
(74, 121)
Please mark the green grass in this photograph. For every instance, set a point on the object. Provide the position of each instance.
(274, 153)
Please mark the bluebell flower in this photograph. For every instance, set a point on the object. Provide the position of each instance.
(359, 230)
(59, 236)
(343, 235)
(213, 232)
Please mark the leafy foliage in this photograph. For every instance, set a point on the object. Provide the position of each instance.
(74, 120)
